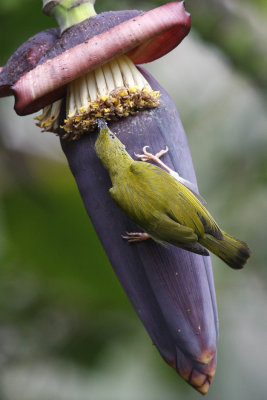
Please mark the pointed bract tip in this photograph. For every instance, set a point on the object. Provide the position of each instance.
(206, 357)
(204, 388)
(196, 373)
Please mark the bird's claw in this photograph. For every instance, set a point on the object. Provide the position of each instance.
(146, 156)
(141, 157)
(132, 237)
(161, 152)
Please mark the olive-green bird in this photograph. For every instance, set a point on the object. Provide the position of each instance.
(163, 207)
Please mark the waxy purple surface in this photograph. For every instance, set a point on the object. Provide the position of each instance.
(172, 290)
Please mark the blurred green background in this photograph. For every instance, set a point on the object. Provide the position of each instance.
(67, 330)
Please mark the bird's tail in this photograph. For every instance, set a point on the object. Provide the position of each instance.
(232, 251)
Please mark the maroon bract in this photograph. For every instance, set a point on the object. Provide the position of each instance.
(25, 58)
(141, 37)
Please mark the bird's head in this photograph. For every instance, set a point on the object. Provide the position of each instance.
(109, 148)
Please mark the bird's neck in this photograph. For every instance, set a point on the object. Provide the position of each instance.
(112, 154)
(118, 165)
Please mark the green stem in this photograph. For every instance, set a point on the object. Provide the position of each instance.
(69, 12)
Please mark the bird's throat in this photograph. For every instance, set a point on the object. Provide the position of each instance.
(112, 154)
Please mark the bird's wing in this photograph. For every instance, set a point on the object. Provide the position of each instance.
(172, 231)
(173, 198)
(179, 235)
(159, 187)
(150, 175)
(191, 186)
(156, 222)
(159, 225)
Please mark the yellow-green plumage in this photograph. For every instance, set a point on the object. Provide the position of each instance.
(166, 209)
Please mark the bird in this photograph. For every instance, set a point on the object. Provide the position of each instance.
(162, 205)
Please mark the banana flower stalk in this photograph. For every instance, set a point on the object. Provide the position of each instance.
(88, 70)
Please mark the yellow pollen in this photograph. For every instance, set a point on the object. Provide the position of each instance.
(82, 109)
(133, 89)
(103, 97)
(122, 93)
(111, 95)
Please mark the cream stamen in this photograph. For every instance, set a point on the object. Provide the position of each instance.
(114, 90)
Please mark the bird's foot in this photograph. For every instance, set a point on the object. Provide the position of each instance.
(146, 156)
(132, 237)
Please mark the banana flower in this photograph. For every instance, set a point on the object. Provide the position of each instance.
(92, 69)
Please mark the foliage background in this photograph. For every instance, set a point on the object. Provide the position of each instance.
(67, 330)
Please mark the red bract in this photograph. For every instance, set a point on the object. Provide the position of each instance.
(143, 38)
